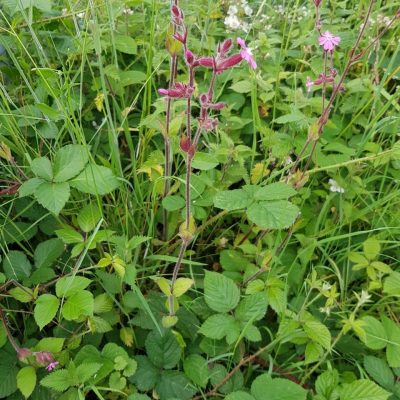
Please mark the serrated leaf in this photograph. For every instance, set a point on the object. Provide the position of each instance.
(391, 284)
(77, 305)
(86, 370)
(196, 369)
(239, 395)
(393, 345)
(47, 252)
(28, 187)
(318, 332)
(164, 285)
(173, 202)
(102, 303)
(169, 321)
(371, 248)
(45, 309)
(69, 235)
(26, 380)
(52, 196)
(218, 326)
(125, 44)
(22, 294)
(221, 293)
(68, 285)
(231, 200)
(363, 389)
(146, 375)
(163, 349)
(274, 191)
(181, 286)
(379, 371)
(266, 388)
(69, 161)
(42, 168)
(16, 265)
(96, 180)
(88, 217)
(174, 385)
(251, 308)
(58, 380)
(273, 214)
(52, 344)
(375, 336)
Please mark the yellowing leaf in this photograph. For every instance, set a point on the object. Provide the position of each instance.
(164, 285)
(169, 320)
(126, 335)
(98, 101)
(182, 285)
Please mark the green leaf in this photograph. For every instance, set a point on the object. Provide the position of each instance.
(86, 370)
(96, 180)
(393, 346)
(174, 385)
(68, 285)
(102, 303)
(375, 335)
(69, 161)
(242, 86)
(26, 380)
(146, 375)
(88, 217)
(231, 200)
(58, 380)
(163, 349)
(51, 344)
(379, 371)
(218, 326)
(79, 304)
(132, 77)
(251, 308)
(22, 294)
(327, 384)
(313, 352)
(276, 298)
(69, 235)
(50, 112)
(52, 196)
(239, 396)
(125, 44)
(28, 188)
(181, 286)
(266, 388)
(47, 252)
(196, 369)
(318, 332)
(274, 191)
(42, 168)
(391, 284)
(221, 293)
(273, 214)
(173, 202)
(45, 309)
(372, 248)
(363, 389)
(16, 265)
(204, 161)
(8, 373)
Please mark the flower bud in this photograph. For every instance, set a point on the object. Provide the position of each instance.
(185, 144)
(206, 62)
(317, 3)
(229, 62)
(203, 98)
(23, 353)
(218, 106)
(226, 46)
(189, 57)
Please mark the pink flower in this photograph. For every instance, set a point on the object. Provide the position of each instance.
(180, 90)
(309, 84)
(246, 53)
(52, 365)
(328, 41)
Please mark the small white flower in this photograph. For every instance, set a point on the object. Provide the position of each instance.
(326, 286)
(363, 298)
(232, 22)
(64, 11)
(127, 11)
(334, 187)
(325, 310)
(233, 10)
(248, 10)
(81, 15)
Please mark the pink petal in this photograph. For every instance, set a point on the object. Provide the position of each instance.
(241, 42)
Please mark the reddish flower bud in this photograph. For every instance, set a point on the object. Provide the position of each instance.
(176, 11)
(226, 46)
(229, 62)
(206, 62)
(317, 3)
(204, 98)
(23, 353)
(189, 57)
(217, 106)
(192, 151)
(185, 144)
(180, 90)
(44, 357)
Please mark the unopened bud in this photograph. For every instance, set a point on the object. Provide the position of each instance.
(23, 353)
(204, 98)
(218, 106)
(317, 3)
(226, 46)
(185, 144)
(189, 57)
(206, 62)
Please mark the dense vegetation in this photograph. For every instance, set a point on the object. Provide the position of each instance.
(185, 214)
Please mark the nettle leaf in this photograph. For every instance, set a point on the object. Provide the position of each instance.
(26, 380)
(52, 196)
(379, 370)
(88, 217)
(391, 284)
(220, 325)
(16, 265)
(58, 380)
(196, 369)
(221, 293)
(163, 349)
(327, 383)
(231, 200)
(69, 161)
(68, 285)
(45, 309)
(318, 332)
(78, 304)
(86, 370)
(47, 252)
(266, 388)
(274, 191)
(363, 389)
(375, 335)
(42, 168)
(273, 214)
(252, 308)
(96, 180)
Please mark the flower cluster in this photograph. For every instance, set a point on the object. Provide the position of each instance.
(45, 358)
(236, 12)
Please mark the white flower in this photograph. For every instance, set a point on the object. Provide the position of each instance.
(64, 11)
(232, 22)
(248, 10)
(363, 298)
(127, 11)
(232, 10)
(81, 15)
(334, 187)
(326, 286)
(325, 310)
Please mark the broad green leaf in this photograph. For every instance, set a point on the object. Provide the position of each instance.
(164, 285)
(169, 321)
(231, 200)
(48, 111)
(273, 214)
(318, 332)
(146, 375)
(379, 371)
(58, 380)
(68, 285)
(251, 308)
(266, 388)
(239, 396)
(363, 389)
(47, 252)
(173, 202)
(242, 86)
(69, 235)
(52, 196)
(45, 309)
(22, 294)
(181, 286)
(204, 161)
(42, 168)
(96, 180)
(26, 380)
(327, 384)
(174, 385)
(276, 298)
(125, 44)
(86, 370)
(218, 326)
(375, 335)
(274, 191)
(312, 352)
(371, 248)
(8, 375)
(196, 368)
(28, 188)
(393, 345)
(391, 284)
(163, 349)
(88, 217)
(79, 304)
(102, 303)
(69, 161)
(132, 77)
(52, 344)
(221, 293)
(16, 265)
